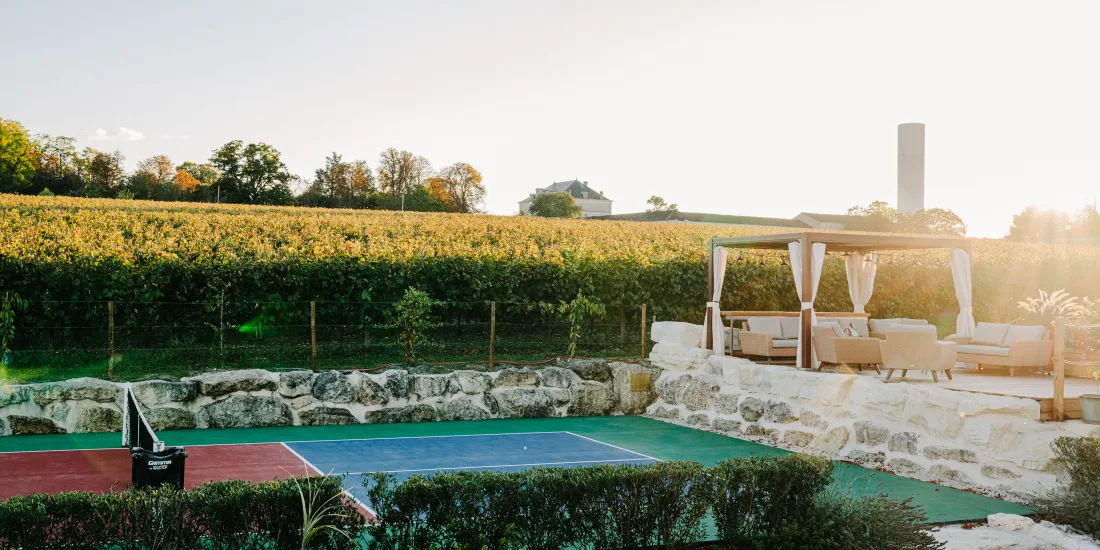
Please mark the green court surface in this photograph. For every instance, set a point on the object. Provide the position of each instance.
(642, 435)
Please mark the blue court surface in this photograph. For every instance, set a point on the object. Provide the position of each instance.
(505, 452)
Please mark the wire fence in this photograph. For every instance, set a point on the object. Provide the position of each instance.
(126, 339)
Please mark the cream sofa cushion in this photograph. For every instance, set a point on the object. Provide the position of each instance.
(837, 330)
(1024, 333)
(902, 327)
(975, 349)
(881, 325)
(989, 334)
(790, 326)
(785, 343)
(766, 325)
(859, 326)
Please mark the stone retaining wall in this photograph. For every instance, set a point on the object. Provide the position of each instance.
(248, 398)
(918, 430)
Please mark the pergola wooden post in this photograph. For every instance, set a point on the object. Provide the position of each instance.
(861, 243)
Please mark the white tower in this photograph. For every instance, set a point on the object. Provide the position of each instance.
(910, 167)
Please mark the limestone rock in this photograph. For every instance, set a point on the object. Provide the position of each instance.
(997, 472)
(670, 388)
(666, 412)
(864, 457)
(516, 377)
(633, 402)
(944, 453)
(751, 409)
(295, 383)
(525, 403)
(592, 399)
(1010, 522)
(588, 369)
(904, 465)
(96, 419)
(425, 386)
(811, 419)
(797, 438)
(170, 418)
(832, 441)
(470, 382)
(59, 412)
(903, 442)
(246, 411)
(333, 387)
(870, 434)
(561, 396)
(77, 389)
(947, 472)
(725, 403)
(370, 392)
(33, 425)
(1094, 433)
(14, 395)
(420, 412)
(225, 382)
(697, 419)
(726, 425)
(397, 383)
(461, 408)
(555, 377)
(697, 392)
(301, 402)
(327, 416)
(152, 393)
(779, 412)
(758, 430)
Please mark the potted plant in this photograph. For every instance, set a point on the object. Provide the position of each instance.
(1090, 402)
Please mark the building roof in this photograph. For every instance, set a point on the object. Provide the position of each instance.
(574, 187)
(699, 217)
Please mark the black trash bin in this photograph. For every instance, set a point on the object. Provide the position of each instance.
(153, 469)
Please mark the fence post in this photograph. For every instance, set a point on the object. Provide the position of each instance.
(1059, 369)
(643, 331)
(110, 340)
(492, 330)
(221, 330)
(313, 333)
(622, 325)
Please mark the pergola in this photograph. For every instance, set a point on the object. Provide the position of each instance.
(808, 251)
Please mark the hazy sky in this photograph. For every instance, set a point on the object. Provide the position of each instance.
(764, 108)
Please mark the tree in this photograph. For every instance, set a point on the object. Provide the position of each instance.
(936, 221)
(658, 205)
(418, 199)
(400, 171)
(187, 184)
(106, 173)
(555, 205)
(207, 176)
(880, 216)
(1034, 225)
(344, 184)
(159, 179)
(17, 156)
(252, 174)
(459, 187)
(57, 166)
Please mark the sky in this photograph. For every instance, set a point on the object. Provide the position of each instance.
(744, 107)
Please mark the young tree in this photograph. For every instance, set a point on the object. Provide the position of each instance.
(555, 205)
(17, 157)
(659, 205)
(459, 187)
(252, 174)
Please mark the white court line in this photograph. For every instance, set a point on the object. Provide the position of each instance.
(319, 472)
(608, 461)
(614, 446)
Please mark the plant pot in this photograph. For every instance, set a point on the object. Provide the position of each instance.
(1090, 408)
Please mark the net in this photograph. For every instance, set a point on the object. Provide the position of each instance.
(136, 432)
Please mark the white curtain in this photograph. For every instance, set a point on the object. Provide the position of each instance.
(818, 253)
(861, 269)
(713, 320)
(960, 272)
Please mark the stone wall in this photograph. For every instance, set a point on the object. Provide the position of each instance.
(918, 430)
(247, 398)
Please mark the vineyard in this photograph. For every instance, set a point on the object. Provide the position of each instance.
(185, 266)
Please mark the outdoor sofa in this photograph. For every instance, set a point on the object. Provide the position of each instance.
(880, 326)
(914, 347)
(833, 347)
(1005, 345)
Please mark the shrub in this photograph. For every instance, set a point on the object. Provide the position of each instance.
(1075, 503)
(225, 515)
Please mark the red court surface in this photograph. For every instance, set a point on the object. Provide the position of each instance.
(103, 469)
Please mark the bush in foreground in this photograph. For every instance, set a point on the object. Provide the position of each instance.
(773, 502)
(1076, 503)
(227, 515)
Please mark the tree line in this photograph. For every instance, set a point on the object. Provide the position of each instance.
(1055, 226)
(237, 172)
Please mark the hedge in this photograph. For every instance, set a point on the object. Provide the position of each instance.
(761, 502)
(1075, 504)
(68, 249)
(224, 515)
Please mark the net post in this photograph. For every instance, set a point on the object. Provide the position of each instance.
(1059, 369)
(643, 331)
(110, 340)
(492, 330)
(313, 332)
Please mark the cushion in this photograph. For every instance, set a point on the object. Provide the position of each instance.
(881, 325)
(1023, 333)
(899, 327)
(904, 321)
(785, 343)
(989, 334)
(858, 326)
(790, 326)
(766, 325)
(833, 325)
(983, 350)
